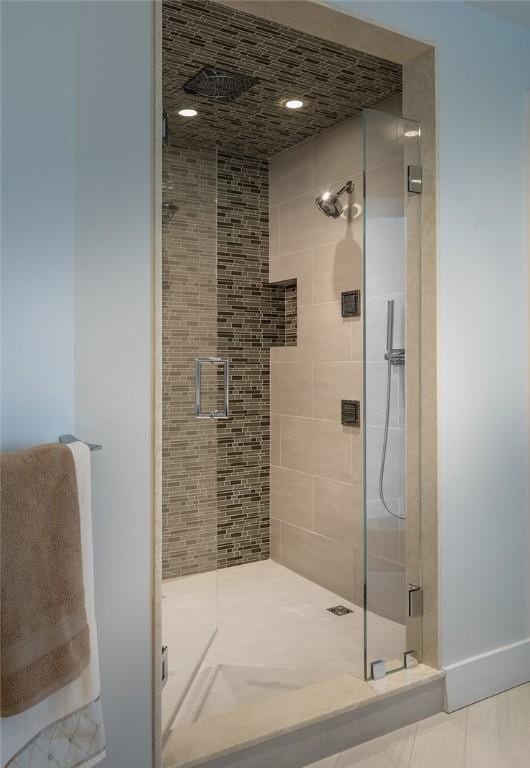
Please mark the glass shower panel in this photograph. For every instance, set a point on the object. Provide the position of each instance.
(391, 312)
(193, 401)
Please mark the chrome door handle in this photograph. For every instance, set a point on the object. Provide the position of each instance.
(225, 363)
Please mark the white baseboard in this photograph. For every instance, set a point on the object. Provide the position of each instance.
(486, 675)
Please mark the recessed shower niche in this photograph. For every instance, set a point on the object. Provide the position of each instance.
(290, 269)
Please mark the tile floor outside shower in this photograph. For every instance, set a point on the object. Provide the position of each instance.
(494, 733)
(274, 635)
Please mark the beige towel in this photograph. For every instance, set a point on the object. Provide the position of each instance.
(44, 632)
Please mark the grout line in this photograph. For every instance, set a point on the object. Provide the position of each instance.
(318, 477)
(329, 301)
(322, 362)
(315, 189)
(313, 389)
(314, 418)
(279, 233)
(358, 240)
(313, 247)
(280, 437)
(312, 161)
(317, 362)
(392, 295)
(312, 278)
(466, 736)
(313, 502)
(353, 547)
(351, 334)
(413, 749)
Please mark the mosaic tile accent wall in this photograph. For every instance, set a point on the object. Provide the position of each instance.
(251, 318)
(217, 301)
(189, 330)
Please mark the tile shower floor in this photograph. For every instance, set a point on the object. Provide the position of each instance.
(274, 634)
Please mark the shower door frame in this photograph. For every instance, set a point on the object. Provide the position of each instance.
(395, 141)
(418, 59)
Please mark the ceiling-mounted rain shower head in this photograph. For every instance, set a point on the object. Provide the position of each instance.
(218, 84)
(329, 202)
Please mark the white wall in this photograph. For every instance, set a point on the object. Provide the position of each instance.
(77, 111)
(37, 177)
(483, 74)
(113, 365)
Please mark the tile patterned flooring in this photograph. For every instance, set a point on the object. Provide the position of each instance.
(274, 635)
(494, 733)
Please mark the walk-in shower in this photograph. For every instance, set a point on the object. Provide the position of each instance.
(289, 536)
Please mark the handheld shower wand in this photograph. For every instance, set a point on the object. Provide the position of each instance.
(393, 357)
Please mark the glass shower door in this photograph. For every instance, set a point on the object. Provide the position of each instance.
(391, 312)
(195, 398)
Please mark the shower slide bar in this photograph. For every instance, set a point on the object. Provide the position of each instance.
(73, 439)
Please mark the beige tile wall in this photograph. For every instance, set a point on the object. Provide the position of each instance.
(316, 492)
(419, 100)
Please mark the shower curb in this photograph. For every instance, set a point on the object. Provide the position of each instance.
(301, 727)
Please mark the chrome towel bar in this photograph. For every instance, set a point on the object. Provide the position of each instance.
(74, 439)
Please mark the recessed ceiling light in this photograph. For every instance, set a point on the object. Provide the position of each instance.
(294, 104)
(410, 134)
(187, 112)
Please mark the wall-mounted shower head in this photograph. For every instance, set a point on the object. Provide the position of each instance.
(329, 202)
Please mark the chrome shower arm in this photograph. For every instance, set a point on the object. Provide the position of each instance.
(348, 187)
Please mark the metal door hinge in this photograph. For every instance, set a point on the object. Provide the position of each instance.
(414, 179)
(165, 669)
(378, 669)
(415, 601)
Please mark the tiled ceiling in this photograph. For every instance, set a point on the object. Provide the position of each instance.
(335, 82)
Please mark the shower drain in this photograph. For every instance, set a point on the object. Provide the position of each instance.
(339, 610)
